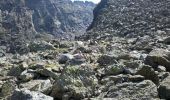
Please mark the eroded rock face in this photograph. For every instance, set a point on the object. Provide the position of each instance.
(61, 16)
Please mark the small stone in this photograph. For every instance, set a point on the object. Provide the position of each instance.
(27, 75)
(161, 69)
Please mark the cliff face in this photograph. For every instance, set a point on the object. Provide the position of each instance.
(25, 20)
(16, 24)
(61, 17)
(131, 17)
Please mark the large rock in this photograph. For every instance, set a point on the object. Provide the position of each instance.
(63, 58)
(47, 72)
(117, 79)
(149, 73)
(40, 46)
(7, 88)
(106, 60)
(167, 40)
(114, 69)
(27, 75)
(145, 90)
(143, 43)
(15, 71)
(2, 53)
(164, 89)
(75, 59)
(132, 66)
(28, 95)
(159, 57)
(40, 85)
(78, 59)
(75, 81)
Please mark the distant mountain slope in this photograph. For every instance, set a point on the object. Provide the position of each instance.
(130, 17)
(61, 17)
(25, 20)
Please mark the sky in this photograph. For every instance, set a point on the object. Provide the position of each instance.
(95, 1)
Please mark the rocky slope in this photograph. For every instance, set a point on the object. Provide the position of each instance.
(22, 21)
(106, 66)
(131, 18)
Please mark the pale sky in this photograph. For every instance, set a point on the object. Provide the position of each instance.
(95, 1)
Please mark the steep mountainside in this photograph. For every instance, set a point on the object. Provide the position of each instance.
(25, 20)
(58, 17)
(131, 17)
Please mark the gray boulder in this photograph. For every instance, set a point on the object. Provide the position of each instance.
(27, 75)
(2, 53)
(114, 69)
(28, 95)
(167, 40)
(145, 90)
(15, 71)
(40, 46)
(161, 69)
(106, 60)
(7, 88)
(132, 66)
(75, 81)
(149, 73)
(48, 73)
(75, 59)
(78, 59)
(64, 58)
(40, 85)
(159, 57)
(122, 78)
(164, 89)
